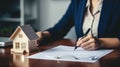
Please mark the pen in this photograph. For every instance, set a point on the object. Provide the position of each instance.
(82, 37)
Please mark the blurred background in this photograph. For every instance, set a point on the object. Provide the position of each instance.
(40, 14)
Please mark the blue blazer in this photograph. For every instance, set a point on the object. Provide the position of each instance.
(109, 24)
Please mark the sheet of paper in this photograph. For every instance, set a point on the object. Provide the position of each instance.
(67, 53)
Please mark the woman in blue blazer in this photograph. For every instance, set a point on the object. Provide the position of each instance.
(108, 33)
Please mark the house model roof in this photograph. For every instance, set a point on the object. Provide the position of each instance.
(28, 30)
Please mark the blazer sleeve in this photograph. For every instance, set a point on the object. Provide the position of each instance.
(60, 29)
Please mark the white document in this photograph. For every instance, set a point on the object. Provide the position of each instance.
(67, 53)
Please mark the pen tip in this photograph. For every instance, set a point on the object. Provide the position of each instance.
(75, 48)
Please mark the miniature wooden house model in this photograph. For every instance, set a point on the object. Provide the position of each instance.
(24, 39)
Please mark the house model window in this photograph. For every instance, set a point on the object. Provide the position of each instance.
(23, 45)
(20, 35)
(24, 39)
(17, 45)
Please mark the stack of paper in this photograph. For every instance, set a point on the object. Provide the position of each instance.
(67, 53)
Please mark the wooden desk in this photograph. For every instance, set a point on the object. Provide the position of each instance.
(18, 60)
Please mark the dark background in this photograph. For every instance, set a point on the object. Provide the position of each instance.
(9, 9)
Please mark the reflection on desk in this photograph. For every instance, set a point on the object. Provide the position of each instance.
(2, 51)
(19, 60)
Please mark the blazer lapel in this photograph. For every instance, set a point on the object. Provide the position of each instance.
(80, 16)
(105, 16)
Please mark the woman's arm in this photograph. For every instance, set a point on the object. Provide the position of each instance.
(109, 42)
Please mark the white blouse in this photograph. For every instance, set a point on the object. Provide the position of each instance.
(91, 19)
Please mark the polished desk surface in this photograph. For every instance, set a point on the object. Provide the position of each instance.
(8, 59)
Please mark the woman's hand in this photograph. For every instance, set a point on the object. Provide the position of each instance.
(42, 35)
(88, 43)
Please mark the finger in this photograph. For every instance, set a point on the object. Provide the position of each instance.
(82, 40)
(78, 42)
(39, 33)
(86, 38)
(90, 47)
(92, 40)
